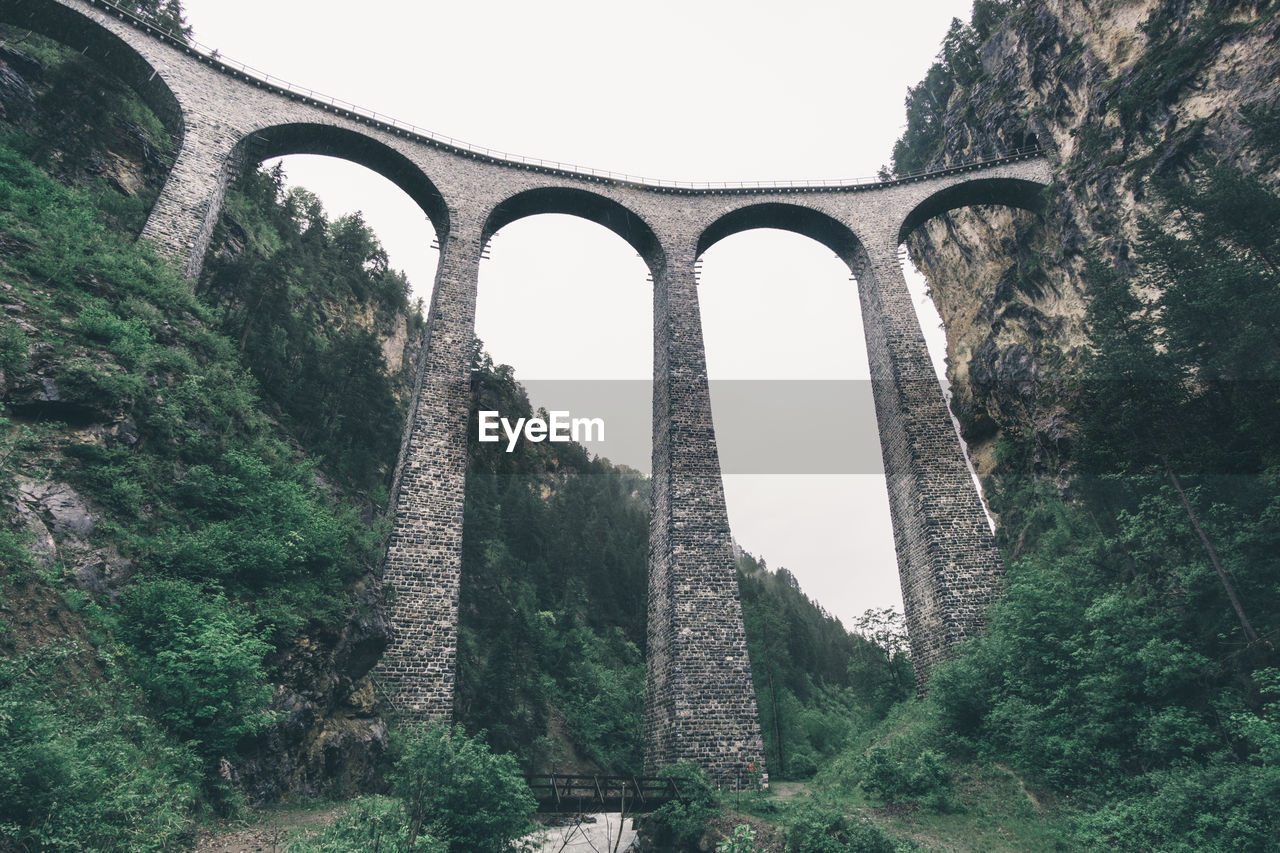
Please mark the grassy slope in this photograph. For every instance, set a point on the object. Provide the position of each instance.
(139, 646)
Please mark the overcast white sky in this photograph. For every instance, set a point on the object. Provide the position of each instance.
(690, 90)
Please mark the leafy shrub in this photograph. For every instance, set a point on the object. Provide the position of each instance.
(742, 841)
(453, 786)
(80, 768)
(902, 771)
(827, 829)
(802, 765)
(13, 346)
(128, 340)
(1189, 808)
(599, 699)
(680, 824)
(367, 823)
(199, 661)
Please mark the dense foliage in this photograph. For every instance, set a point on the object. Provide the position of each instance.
(826, 829)
(552, 609)
(449, 794)
(473, 800)
(815, 682)
(286, 284)
(209, 540)
(85, 764)
(680, 823)
(82, 767)
(370, 822)
(67, 94)
(1133, 658)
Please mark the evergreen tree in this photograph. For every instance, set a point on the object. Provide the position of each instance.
(166, 15)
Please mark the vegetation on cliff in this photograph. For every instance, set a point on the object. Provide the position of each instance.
(170, 550)
(310, 303)
(1130, 665)
(957, 67)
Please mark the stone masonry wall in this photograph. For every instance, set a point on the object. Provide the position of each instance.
(420, 575)
(701, 703)
(947, 559)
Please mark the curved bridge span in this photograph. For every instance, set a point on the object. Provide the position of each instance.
(700, 704)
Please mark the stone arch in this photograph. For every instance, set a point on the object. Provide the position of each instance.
(331, 141)
(76, 30)
(1011, 192)
(798, 219)
(584, 204)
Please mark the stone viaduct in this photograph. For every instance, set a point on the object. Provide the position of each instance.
(700, 705)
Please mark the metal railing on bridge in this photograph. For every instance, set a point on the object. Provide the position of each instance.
(556, 792)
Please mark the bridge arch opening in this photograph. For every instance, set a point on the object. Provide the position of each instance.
(804, 221)
(553, 261)
(794, 418)
(784, 339)
(994, 298)
(344, 144)
(796, 425)
(1008, 192)
(582, 204)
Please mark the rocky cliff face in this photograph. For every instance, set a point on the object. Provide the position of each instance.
(1117, 92)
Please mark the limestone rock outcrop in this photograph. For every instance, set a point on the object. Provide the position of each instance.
(1117, 92)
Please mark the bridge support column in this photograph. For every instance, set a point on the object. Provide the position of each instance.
(700, 703)
(182, 219)
(424, 550)
(947, 557)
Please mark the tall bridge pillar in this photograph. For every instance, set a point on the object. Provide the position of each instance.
(181, 221)
(947, 556)
(700, 703)
(424, 551)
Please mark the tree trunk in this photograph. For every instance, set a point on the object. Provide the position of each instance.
(1251, 634)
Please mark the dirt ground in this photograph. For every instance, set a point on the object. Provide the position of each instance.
(266, 835)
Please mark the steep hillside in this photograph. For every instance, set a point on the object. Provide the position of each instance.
(1117, 367)
(185, 548)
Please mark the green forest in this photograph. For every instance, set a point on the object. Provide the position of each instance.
(195, 482)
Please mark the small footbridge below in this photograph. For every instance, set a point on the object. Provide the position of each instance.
(557, 792)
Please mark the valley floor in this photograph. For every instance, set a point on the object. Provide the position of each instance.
(271, 832)
(267, 832)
